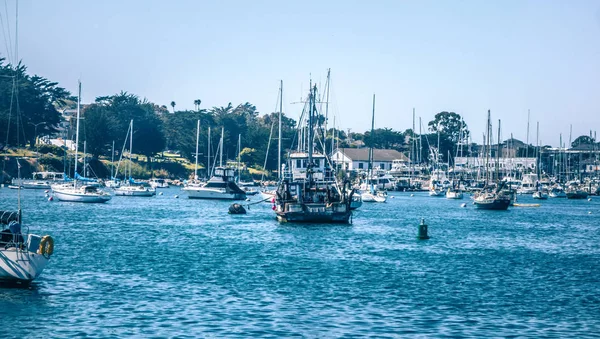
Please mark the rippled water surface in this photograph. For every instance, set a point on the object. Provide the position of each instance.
(171, 267)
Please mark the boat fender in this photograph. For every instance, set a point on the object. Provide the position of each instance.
(46, 246)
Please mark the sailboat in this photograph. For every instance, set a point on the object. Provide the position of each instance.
(369, 192)
(221, 184)
(74, 192)
(132, 188)
(23, 255)
(309, 194)
(492, 197)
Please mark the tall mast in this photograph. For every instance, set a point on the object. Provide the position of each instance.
(413, 148)
(221, 147)
(279, 138)
(527, 149)
(372, 139)
(130, 148)
(197, 141)
(311, 107)
(487, 149)
(537, 150)
(568, 155)
(208, 164)
(420, 143)
(112, 161)
(77, 130)
(327, 113)
(498, 150)
(238, 156)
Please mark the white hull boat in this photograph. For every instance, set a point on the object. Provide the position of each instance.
(22, 258)
(135, 191)
(85, 194)
(220, 187)
(368, 197)
(450, 194)
(212, 193)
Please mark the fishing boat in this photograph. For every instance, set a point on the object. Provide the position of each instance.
(311, 193)
(576, 193)
(356, 201)
(75, 192)
(221, 185)
(492, 197)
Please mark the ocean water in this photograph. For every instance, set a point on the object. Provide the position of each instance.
(167, 267)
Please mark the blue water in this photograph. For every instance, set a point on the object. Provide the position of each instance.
(169, 267)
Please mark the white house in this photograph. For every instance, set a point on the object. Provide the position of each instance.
(357, 159)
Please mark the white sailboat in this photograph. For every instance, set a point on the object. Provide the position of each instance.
(369, 192)
(132, 188)
(74, 192)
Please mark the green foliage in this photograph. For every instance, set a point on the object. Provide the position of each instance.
(583, 140)
(27, 100)
(51, 149)
(449, 124)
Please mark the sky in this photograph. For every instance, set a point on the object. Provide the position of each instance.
(507, 56)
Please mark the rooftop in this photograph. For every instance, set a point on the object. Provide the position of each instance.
(362, 154)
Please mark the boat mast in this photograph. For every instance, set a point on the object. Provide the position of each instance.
(221, 148)
(208, 163)
(77, 131)
(130, 147)
(498, 150)
(238, 156)
(279, 138)
(537, 150)
(310, 131)
(370, 174)
(487, 142)
(197, 140)
(327, 116)
(112, 167)
(413, 149)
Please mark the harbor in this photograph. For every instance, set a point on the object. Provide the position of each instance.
(174, 267)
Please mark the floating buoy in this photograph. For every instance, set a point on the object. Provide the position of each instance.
(422, 231)
(160, 193)
(237, 209)
(46, 195)
(273, 207)
(589, 199)
(247, 199)
(590, 212)
(51, 199)
(46, 191)
(412, 195)
(392, 197)
(464, 204)
(273, 200)
(176, 196)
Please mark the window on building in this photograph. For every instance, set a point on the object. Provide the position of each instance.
(382, 166)
(298, 163)
(360, 165)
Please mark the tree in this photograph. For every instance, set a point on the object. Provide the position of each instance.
(583, 140)
(29, 101)
(450, 124)
(173, 105)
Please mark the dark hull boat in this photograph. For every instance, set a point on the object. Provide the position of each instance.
(309, 193)
(577, 194)
(492, 203)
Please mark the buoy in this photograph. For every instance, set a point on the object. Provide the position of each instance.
(273, 207)
(273, 200)
(237, 209)
(412, 195)
(392, 197)
(589, 199)
(50, 199)
(176, 196)
(464, 204)
(46, 195)
(422, 231)
(247, 199)
(160, 193)
(590, 212)
(46, 191)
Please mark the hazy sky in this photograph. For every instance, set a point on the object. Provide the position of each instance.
(461, 56)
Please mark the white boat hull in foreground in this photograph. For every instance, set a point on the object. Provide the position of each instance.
(23, 264)
(212, 193)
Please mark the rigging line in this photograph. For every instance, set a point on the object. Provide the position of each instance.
(8, 41)
(262, 177)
